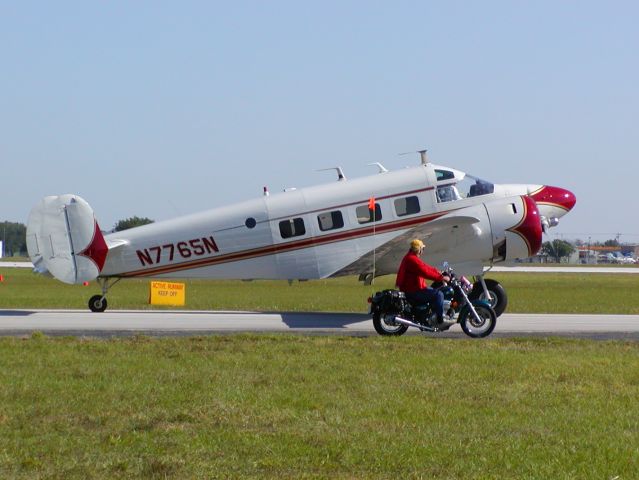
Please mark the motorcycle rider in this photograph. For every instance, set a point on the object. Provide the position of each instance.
(411, 279)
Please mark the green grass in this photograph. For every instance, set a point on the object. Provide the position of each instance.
(527, 292)
(571, 293)
(259, 406)
(263, 406)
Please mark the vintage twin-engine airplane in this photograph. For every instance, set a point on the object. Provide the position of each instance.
(360, 226)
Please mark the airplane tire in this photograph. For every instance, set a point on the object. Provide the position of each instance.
(384, 328)
(97, 303)
(498, 297)
(472, 327)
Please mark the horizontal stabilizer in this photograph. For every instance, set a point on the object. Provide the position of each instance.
(64, 239)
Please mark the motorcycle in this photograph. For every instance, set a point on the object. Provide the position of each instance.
(393, 313)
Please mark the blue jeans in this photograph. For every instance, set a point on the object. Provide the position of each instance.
(429, 295)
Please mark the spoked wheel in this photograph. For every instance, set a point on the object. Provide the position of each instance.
(497, 297)
(385, 324)
(97, 303)
(478, 327)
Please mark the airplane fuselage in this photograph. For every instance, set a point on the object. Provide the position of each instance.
(316, 232)
(347, 227)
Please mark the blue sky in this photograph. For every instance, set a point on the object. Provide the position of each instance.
(164, 108)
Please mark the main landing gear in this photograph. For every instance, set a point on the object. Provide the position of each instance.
(98, 303)
(492, 291)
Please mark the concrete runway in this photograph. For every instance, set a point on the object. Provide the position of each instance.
(180, 323)
(162, 323)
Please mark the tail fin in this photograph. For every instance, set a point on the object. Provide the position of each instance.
(64, 239)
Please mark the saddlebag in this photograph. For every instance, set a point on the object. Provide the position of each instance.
(391, 301)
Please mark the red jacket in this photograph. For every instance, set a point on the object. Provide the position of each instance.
(413, 272)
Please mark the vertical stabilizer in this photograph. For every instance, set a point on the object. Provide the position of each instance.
(64, 239)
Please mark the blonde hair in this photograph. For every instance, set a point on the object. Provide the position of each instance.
(416, 245)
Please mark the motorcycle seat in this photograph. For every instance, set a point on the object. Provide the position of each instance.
(419, 305)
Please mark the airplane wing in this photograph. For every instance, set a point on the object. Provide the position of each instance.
(437, 234)
(467, 239)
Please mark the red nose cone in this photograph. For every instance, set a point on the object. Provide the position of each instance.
(530, 226)
(555, 196)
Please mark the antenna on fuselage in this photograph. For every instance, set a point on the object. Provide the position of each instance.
(422, 154)
(382, 168)
(340, 173)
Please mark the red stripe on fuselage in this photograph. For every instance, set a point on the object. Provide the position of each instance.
(286, 247)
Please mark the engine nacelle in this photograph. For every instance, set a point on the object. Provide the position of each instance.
(492, 232)
(516, 228)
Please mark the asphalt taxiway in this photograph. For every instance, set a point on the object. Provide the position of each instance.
(180, 323)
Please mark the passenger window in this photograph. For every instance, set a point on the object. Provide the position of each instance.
(364, 215)
(406, 206)
(292, 228)
(330, 220)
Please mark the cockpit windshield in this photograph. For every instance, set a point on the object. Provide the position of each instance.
(457, 187)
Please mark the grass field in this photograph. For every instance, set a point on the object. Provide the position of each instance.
(263, 406)
(528, 293)
(258, 406)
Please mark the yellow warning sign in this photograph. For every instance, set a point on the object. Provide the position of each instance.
(167, 293)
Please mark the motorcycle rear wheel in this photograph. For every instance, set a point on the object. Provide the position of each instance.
(474, 328)
(383, 328)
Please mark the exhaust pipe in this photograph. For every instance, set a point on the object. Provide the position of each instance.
(408, 323)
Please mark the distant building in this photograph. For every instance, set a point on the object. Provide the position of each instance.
(600, 254)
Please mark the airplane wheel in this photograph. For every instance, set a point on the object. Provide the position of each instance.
(498, 298)
(391, 328)
(97, 303)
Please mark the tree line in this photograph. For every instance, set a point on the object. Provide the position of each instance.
(557, 249)
(14, 237)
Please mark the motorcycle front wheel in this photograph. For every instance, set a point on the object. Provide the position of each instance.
(384, 325)
(478, 328)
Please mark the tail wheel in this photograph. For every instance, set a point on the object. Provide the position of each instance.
(478, 327)
(497, 297)
(97, 303)
(385, 325)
